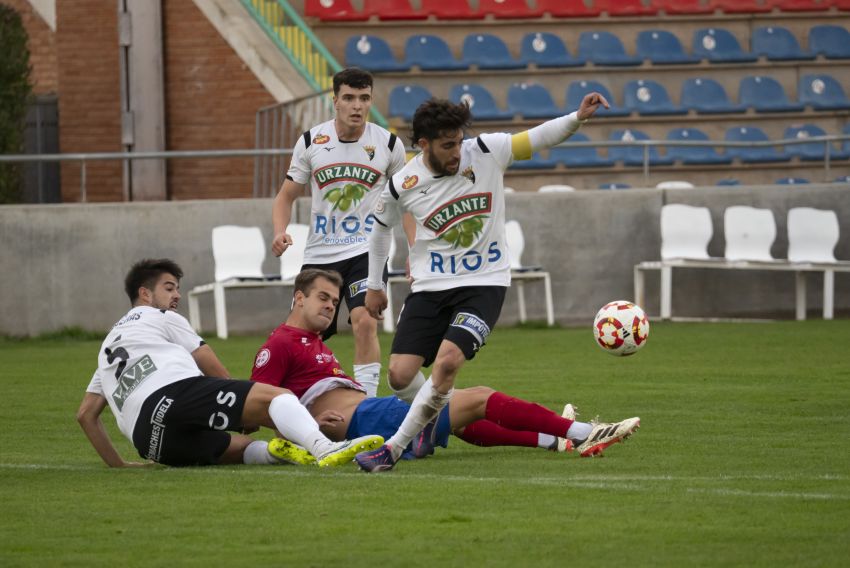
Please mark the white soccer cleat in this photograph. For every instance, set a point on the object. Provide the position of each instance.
(343, 452)
(605, 434)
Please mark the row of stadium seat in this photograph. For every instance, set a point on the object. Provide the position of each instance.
(643, 96)
(590, 157)
(344, 10)
(545, 49)
(789, 180)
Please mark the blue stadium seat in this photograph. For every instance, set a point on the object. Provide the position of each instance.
(581, 156)
(691, 155)
(844, 147)
(822, 92)
(649, 98)
(546, 50)
(833, 42)
(604, 48)
(765, 94)
(372, 53)
(728, 182)
(813, 151)
(405, 99)
(532, 101)
(633, 155)
(537, 162)
(488, 52)
(480, 102)
(430, 53)
(577, 90)
(842, 179)
(614, 185)
(707, 96)
(761, 154)
(791, 181)
(662, 47)
(778, 44)
(719, 46)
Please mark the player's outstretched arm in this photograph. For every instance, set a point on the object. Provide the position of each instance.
(88, 416)
(282, 214)
(208, 362)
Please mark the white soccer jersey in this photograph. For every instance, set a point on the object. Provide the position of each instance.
(346, 179)
(146, 350)
(460, 219)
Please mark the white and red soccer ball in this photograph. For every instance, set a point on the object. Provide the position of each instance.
(620, 328)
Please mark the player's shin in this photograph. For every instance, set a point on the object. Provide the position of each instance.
(426, 406)
(408, 393)
(296, 424)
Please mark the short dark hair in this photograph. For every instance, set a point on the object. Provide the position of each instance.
(146, 272)
(354, 77)
(437, 117)
(307, 277)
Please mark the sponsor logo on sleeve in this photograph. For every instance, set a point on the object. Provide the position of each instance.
(409, 182)
(321, 139)
(262, 357)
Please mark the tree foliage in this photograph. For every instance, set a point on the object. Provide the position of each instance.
(15, 89)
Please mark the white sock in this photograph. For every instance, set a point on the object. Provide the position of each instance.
(579, 431)
(295, 424)
(546, 440)
(368, 375)
(408, 393)
(426, 406)
(257, 453)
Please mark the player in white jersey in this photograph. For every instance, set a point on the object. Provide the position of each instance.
(156, 375)
(346, 161)
(454, 190)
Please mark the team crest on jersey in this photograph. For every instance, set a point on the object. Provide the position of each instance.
(468, 174)
(321, 139)
(262, 357)
(410, 182)
(370, 151)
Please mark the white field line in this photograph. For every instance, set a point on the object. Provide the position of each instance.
(631, 483)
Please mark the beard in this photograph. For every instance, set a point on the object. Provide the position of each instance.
(441, 168)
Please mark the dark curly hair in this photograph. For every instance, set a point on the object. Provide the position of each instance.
(145, 273)
(437, 117)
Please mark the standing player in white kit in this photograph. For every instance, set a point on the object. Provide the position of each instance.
(454, 190)
(347, 162)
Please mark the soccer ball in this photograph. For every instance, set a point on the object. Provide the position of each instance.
(621, 328)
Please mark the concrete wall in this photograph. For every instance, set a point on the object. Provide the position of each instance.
(63, 265)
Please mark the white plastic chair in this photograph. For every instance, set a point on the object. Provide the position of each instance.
(238, 253)
(521, 273)
(749, 232)
(509, 189)
(674, 184)
(555, 188)
(685, 231)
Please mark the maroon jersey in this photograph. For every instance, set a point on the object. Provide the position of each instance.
(295, 359)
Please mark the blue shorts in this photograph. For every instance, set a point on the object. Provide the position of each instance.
(385, 414)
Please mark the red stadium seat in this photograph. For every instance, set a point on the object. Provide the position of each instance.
(508, 9)
(392, 10)
(842, 5)
(625, 7)
(333, 11)
(685, 6)
(743, 6)
(803, 5)
(450, 10)
(567, 8)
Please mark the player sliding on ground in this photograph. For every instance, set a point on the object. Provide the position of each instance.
(454, 190)
(156, 375)
(294, 357)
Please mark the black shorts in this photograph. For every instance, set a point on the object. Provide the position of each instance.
(184, 423)
(355, 272)
(463, 315)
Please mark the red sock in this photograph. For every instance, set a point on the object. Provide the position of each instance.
(516, 414)
(485, 433)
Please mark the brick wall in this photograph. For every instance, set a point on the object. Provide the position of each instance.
(42, 48)
(211, 102)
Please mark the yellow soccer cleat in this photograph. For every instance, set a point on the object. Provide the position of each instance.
(343, 452)
(287, 452)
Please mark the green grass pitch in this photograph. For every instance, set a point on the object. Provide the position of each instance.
(743, 459)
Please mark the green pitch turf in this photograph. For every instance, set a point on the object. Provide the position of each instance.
(743, 459)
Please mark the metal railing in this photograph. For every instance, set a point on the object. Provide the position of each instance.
(83, 158)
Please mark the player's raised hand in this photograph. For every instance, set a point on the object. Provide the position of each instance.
(281, 242)
(376, 303)
(590, 103)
